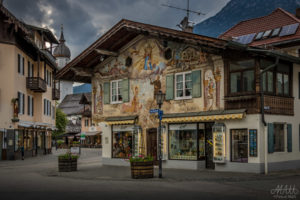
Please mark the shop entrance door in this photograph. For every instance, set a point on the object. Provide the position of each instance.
(209, 164)
(152, 143)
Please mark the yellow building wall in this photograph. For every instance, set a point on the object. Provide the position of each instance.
(11, 82)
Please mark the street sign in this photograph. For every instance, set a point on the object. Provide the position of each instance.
(154, 110)
(160, 114)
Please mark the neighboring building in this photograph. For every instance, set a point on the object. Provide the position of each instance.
(84, 88)
(212, 112)
(62, 54)
(90, 133)
(27, 88)
(71, 107)
(278, 30)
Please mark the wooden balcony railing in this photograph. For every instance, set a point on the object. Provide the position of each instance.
(272, 104)
(36, 84)
(55, 94)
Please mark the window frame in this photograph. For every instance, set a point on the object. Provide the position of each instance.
(231, 145)
(117, 93)
(183, 87)
(242, 71)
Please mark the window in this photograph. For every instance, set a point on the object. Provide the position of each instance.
(282, 77)
(183, 142)
(21, 105)
(53, 112)
(122, 144)
(21, 61)
(30, 69)
(239, 145)
(116, 95)
(86, 123)
(242, 77)
(276, 81)
(183, 87)
(47, 107)
(278, 137)
(30, 105)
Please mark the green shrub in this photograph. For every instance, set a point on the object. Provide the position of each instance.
(68, 156)
(59, 142)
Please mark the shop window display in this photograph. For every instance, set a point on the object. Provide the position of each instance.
(201, 144)
(239, 145)
(122, 144)
(183, 144)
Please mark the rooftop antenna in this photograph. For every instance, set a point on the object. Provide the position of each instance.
(185, 24)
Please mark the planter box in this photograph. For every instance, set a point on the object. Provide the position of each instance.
(141, 169)
(67, 165)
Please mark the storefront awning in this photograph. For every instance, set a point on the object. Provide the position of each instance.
(91, 133)
(121, 120)
(204, 116)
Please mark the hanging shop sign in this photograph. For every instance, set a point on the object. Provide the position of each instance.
(219, 143)
(82, 136)
(75, 150)
(253, 142)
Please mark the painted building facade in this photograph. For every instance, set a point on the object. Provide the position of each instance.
(27, 92)
(212, 115)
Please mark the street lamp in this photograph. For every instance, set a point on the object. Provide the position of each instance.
(160, 97)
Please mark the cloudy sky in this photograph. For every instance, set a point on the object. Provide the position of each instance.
(86, 20)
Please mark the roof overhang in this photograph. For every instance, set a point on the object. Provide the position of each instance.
(108, 45)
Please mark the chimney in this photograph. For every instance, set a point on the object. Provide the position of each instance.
(298, 13)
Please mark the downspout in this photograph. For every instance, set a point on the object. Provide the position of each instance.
(262, 107)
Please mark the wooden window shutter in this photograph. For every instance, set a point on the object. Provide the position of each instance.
(270, 138)
(23, 101)
(19, 102)
(45, 106)
(106, 99)
(29, 69)
(19, 63)
(298, 85)
(125, 90)
(28, 105)
(170, 87)
(289, 138)
(196, 80)
(32, 106)
(23, 64)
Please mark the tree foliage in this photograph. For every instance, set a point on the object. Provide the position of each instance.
(61, 122)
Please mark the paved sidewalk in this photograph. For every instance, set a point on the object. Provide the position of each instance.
(94, 170)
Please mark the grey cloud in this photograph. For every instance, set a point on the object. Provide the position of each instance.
(86, 20)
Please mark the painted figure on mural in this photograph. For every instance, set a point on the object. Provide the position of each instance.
(157, 85)
(134, 106)
(99, 101)
(209, 89)
(148, 58)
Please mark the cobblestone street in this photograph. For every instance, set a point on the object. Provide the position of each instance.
(36, 178)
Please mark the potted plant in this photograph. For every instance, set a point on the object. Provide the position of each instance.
(67, 162)
(141, 166)
(60, 143)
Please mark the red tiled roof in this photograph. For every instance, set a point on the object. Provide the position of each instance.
(276, 19)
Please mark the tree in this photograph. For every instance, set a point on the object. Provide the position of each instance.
(61, 123)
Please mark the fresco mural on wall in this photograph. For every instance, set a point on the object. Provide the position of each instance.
(97, 97)
(147, 76)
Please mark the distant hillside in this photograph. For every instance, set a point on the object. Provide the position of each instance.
(239, 10)
(84, 88)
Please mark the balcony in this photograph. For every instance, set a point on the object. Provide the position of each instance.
(55, 94)
(36, 84)
(272, 104)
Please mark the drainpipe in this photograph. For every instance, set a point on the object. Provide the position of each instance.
(262, 108)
